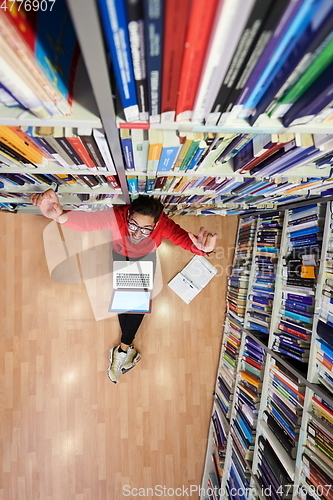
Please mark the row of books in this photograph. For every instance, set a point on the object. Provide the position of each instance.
(171, 184)
(244, 422)
(292, 337)
(81, 148)
(66, 205)
(32, 180)
(261, 294)
(284, 406)
(258, 155)
(317, 458)
(208, 61)
(39, 54)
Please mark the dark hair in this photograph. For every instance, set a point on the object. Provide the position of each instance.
(146, 205)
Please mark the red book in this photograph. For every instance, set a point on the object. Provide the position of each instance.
(76, 143)
(113, 181)
(176, 14)
(196, 42)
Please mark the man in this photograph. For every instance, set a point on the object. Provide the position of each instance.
(137, 230)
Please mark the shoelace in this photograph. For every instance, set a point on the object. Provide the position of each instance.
(120, 360)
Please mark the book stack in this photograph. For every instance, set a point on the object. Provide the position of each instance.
(220, 435)
(284, 406)
(35, 157)
(324, 339)
(300, 270)
(239, 279)
(228, 363)
(208, 62)
(39, 54)
(244, 422)
(260, 298)
(317, 457)
(273, 474)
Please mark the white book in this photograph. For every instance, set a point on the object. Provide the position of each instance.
(140, 146)
(193, 278)
(230, 22)
(104, 150)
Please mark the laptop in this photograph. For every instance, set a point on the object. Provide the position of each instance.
(133, 275)
(132, 285)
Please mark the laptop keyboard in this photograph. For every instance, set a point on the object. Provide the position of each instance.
(139, 280)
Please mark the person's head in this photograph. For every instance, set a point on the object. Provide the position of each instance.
(143, 217)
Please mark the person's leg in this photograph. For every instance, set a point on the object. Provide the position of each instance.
(125, 356)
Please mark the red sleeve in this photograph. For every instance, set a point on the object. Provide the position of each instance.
(91, 221)
(178, 236)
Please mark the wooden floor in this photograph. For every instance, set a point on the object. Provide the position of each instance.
(67, 432)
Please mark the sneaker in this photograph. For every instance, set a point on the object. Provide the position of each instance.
(132, 358)
(117, 360)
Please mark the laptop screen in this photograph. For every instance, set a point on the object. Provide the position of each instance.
(131, 301)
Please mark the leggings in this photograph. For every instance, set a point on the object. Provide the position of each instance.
(130, 322)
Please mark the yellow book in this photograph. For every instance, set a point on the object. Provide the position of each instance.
(188, 140)
(17, 144)
(155, 138)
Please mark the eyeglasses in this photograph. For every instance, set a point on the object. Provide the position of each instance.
(145, 231)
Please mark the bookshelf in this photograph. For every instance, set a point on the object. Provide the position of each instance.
(95, 106)
(304, 475)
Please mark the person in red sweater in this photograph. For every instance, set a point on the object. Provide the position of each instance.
(137, 230)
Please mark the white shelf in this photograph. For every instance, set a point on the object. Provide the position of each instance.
(226, 170)
(267, 126)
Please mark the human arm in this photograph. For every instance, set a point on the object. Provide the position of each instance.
(49, 205)
(202, 244)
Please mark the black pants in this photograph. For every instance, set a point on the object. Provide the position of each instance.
(129, 323)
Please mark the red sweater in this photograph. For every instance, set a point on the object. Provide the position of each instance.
(115, 219)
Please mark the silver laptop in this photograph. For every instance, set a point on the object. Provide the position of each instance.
(133, 275)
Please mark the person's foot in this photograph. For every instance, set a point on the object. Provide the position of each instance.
(117, 360)
(132, 358)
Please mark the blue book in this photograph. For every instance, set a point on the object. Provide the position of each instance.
(194, 162)
(303, 17)
(304, 51)
(167, 158)
(299, 317)
(127, 147)
(325, 347)
(303, 232)
(150, 184)
(153, 27)
(133, 185)
(296, 306)
(114, 20)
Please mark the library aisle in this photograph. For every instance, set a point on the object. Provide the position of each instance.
(67, 431)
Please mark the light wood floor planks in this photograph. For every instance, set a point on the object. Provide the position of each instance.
(67, 432)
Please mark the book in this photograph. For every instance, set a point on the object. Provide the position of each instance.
(230, 21)
(134, 10)
(299, 20)
(200, 22)
(170, 150)
(246, 44)
(153, 30)
(114, 21)
(176, 16)
(193, 278)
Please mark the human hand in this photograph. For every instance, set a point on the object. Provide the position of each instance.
(48, 203)
(205, 241)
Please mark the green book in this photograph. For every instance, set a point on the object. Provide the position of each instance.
(290, 96)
